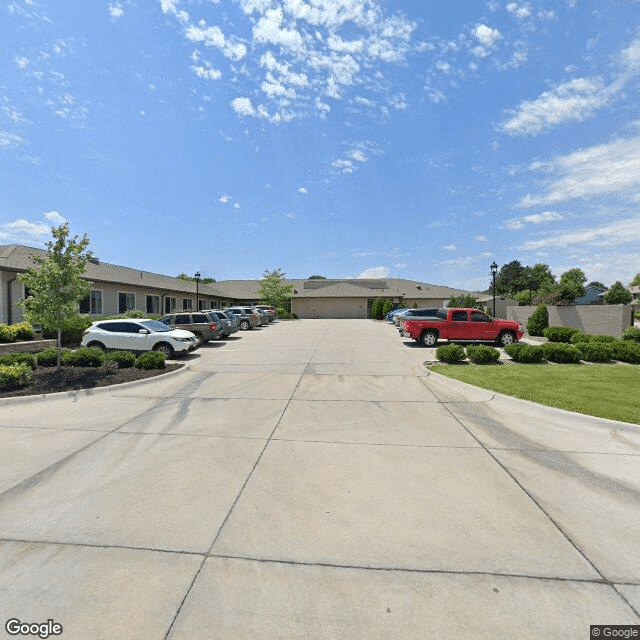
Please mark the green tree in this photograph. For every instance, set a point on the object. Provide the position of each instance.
(316, 277)
(511, 278)
(184, 276)
(538, 321)
(376, 309)
(272, 291)
(464, 301)
(388, 305)
(636, 281)
(55, 284)
(597, 284)
(571, 285)
(617, 294)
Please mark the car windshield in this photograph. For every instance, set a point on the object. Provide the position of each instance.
(154, 325)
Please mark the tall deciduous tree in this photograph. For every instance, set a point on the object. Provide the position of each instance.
(572, 284)
(55, 284)
(636, 280)
(617, 294)
(273, 291)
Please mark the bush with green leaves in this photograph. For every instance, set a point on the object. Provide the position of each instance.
(376, 309)
(14, 375)
(626, 351)
(134, 313)
(386, 307)
(450, 353)
(72, 329)
(524, 353)
(578, 336)
(632, 333)
(8, 333)
(594, 351)
(15, 358)
(150, 360)
(124, 359)
(83, 357)
(559, 334)
(561, 352)
(24, 331)
(48, 357)
(482, 354)
(538, 321)
(617, 294)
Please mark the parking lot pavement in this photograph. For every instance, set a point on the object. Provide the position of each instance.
(311, 480)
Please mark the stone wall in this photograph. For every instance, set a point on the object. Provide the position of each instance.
(600, 319)
(30, 346)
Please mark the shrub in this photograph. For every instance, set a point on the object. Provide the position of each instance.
(282, 312)
(150, 360)
(8, 333)
(604, 339)
(386, 307)
(632, 333)
(83, 357)
(524, 353)
(594, 351)
(376, 309)
(124, 359)
(134, 313)
(538, 321)
(450, 353)
(617, 294)
(482, 354)
(559, 334)
(15, 358)
(24, 331)
(71, 330)
(294, 316)
(14, 375)
(47, 358)
(581, 337)
(626, 351)
(560, 352)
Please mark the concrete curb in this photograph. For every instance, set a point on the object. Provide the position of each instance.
(83, 393)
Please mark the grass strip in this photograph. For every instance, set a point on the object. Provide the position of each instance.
(606, 391)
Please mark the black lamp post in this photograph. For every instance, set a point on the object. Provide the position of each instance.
(196, 275)
(494, 270)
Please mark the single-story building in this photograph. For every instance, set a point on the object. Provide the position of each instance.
(117, 289)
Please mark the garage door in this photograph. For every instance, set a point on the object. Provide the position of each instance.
(328, 308)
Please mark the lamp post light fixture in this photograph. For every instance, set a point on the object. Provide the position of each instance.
(494, 270)
(197, 276)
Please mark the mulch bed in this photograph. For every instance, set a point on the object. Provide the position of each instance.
(48, 380)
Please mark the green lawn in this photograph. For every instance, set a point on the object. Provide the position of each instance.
(607, 391)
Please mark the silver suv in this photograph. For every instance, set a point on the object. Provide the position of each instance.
(199, 323)
(247, 317)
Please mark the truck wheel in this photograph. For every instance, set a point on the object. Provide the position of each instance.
(429, 339)
(505, 338)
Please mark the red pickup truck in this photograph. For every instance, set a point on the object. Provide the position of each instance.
(468, 325)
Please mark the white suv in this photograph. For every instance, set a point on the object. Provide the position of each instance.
(138, 335)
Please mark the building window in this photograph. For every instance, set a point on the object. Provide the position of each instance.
(170, 305)
(153, 304)
(187, 304)
(126, 302)
(202, 304)
(96, 303)
(92, 304)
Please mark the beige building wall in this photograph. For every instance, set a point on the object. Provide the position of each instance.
(599, 319)
(12, 291)
(340, 308)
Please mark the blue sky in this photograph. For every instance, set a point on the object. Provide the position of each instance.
(415, 139)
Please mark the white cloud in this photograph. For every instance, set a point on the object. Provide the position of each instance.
(374, 272)
(481, 239)
(55, 218)
(206, 72)
(115, 10)
(573, 101)
(536, 218)
(521, 12)
(243, 106)
(606, 169)
(303, 190)
(224, 199)
(450, 247)
(487, 38)
(613, 234)
(24, 231)
(21, 62)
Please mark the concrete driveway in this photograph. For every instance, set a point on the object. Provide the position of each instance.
(311, 480)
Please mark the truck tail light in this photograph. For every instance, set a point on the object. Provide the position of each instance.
(213, 326)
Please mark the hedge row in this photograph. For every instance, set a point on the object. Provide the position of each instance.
(596, 349)
(478, 354)
(16, 368)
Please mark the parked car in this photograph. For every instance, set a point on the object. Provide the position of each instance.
(461, 325)
(264, 316)
(138, 336)
(391, 315)
(228, 321)
(247, 317)
(199, 323)
(271, 312)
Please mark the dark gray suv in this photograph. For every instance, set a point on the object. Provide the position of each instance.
(247, 317)
(199, 323)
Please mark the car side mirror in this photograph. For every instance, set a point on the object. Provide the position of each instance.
(143, 331)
